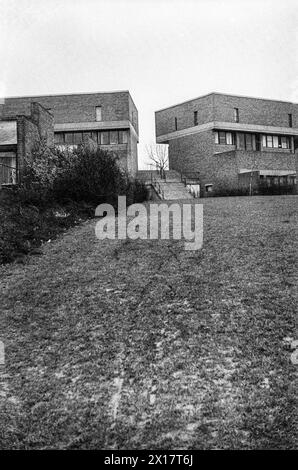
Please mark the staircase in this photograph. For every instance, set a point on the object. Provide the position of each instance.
(174, 190)
(169, 187)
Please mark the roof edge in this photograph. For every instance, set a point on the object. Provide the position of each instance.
(224, 94)
(67, 94)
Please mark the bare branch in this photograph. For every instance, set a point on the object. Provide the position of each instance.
(158, 154)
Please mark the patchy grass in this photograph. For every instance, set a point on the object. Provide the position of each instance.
(140, 344)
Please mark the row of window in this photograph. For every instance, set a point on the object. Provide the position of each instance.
(111, 137)
(248, 141)
(276, 141)
(280, 180)
(236, 118)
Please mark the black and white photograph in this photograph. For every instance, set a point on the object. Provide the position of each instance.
(148, 228)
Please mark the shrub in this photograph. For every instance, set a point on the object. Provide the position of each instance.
(94, 176)
(136, 191)
(266, 190)
(40, 172)
(225, 191)
(85, 174)
(59, 189)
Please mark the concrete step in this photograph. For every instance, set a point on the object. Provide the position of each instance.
(175, 190)
(171, 185)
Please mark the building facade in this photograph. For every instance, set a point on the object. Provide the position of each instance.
(232, 141)
(109, 119)
(18, 136)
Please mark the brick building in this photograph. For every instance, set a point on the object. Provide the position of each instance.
(109, 119)
(18, 135)
(232, 141)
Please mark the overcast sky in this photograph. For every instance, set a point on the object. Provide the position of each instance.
(162, 51)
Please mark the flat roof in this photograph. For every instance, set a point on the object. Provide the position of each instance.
(68, 94)
(224, 94)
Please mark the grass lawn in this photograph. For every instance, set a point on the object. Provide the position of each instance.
(140, 344)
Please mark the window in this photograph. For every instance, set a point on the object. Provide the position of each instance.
(248, 142)
(241, 141)
(195, 118)
(290, 120)
(98, 113)
(176, 123)
(224, 138)
(94, 135)
(69, 138)
(77, 138)
(113, 137)
(284, 143)
(269, 141)
(229, 139)
(236, 114)
(8, 168)
(59, 138)
(8, 132)
(208, 188)
(123, 139)
(105, 138)
(275, 141)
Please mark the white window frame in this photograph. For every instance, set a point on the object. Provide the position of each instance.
(229, 138)
(275, 141)
(270, 139)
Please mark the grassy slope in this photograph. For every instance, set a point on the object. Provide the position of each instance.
(140, 344)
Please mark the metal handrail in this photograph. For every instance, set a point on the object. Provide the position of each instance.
(157, 187)
(187, 176)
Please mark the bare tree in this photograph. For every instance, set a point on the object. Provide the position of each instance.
(158, 154)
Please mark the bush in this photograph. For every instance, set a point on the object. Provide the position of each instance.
(226, 191)
(85, 174)
(266, 190)
(58, 190)
(94, 176)
(40, 172)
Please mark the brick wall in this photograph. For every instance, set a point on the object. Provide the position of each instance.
(192, 153)
(133, 114)
(74, 108)
(254, 110)
(44, 121)
(165, 119)
(266, 160)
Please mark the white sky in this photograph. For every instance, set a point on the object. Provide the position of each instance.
(162, 51)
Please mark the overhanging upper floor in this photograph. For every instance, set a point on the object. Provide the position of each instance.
(228, 126)
(235, 112)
